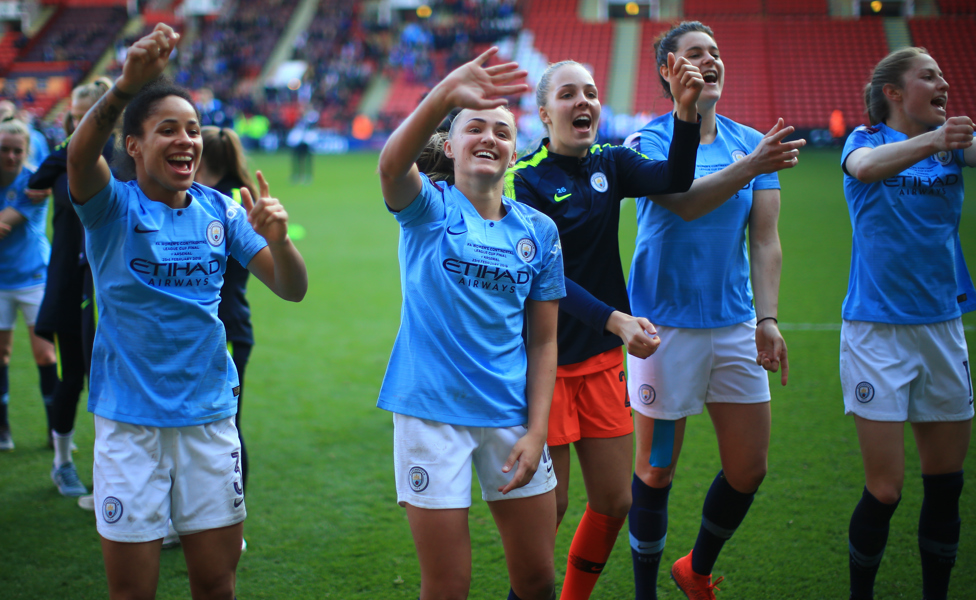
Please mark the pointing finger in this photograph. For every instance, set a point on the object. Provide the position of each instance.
(671, 61)
(263, 189)
(246, 201)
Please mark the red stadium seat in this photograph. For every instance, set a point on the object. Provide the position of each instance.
(942, 38)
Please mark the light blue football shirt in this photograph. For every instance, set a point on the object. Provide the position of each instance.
(459, 357)
(907, 266)
(160, 357)
(696, 274)
(25, 252)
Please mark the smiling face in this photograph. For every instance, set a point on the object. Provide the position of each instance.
(481, 143)
(13, 153)
(571, 111)
(923, 94)
(168, 151)
(702, 51)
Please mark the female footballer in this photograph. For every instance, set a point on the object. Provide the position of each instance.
(163, 385)
(903, 354)
(66, 316)
(463, 386)
(580, 186)
(24, 255)
(692, 280)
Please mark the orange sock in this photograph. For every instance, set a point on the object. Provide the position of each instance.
(588, 553)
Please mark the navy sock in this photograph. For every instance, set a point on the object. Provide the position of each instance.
(49, 381)
(867, 537)
(4, 395)
(723, 512)
(511, 595)
(938, 532)
(648, 523)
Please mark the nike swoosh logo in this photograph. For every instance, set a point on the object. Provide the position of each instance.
(456, 232)
(559, 198)
(145, 230)
(238, 502)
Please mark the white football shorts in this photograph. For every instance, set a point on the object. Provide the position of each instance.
(432, 463)
(146, 475)
(914, 373)
(695, 366)
(27, 300)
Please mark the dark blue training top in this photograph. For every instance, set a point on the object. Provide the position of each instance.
(234, 311)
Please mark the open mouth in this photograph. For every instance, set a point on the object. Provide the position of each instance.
(582, 123)
(710, 76)
(940, 102)
(181, 163)
(486, 154)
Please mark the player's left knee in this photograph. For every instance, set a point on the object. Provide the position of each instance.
(747, 481)
(540, 585)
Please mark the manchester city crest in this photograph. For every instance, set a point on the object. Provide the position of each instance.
(215, 233)
(646, 394)
(944, 158)
(526, 249)
(738, 155)
(864, 392)
(599, 182)
(418, 479)
(111, 509)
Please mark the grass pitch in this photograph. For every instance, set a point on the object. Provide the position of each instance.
(323, 520)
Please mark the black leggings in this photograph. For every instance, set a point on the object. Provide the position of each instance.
(240, 353)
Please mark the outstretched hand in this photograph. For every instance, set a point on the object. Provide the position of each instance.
(686, 85)
(771, 350)
(773, 154)
(956, 134)
(267, 216)
(147, 58)
(476, 87)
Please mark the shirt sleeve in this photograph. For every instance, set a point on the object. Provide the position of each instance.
(104, 207)
(652, 144)
(862, 137)
(548, 284)
(427, 207)
(33, 212)
(639, 175)
(243, 243)
(585, 306)
(53, 167)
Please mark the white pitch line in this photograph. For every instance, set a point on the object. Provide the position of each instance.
(831, 327)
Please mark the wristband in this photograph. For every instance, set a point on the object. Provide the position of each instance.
(121, 95)
(766, 319)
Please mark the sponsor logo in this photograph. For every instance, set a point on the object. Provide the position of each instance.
(599, 182)
(215, 233)
(738, 155)
(463, 229)
(419, 479)
(559, 198)
(922, 185)
(138, 230)
(526, 249)
(646, 394)
(944, 158)
(111, 509)
(238, 502)
(864, 392)
(485, 277)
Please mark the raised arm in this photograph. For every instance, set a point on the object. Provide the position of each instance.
(88, 172)
(540, 380)
(711, 191)
(279, 266)
(766, 261)
(469, 86)
(869, 165)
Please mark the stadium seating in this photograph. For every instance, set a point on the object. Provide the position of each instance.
(797, 7)
(710, 8)
(561, 35)
(942, 38)
(956, 7)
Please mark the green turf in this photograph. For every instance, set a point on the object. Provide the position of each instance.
(323, 522)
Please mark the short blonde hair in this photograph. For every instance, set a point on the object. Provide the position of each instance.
(16, 127)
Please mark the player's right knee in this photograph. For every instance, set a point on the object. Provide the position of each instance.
(540, 586)
(886, 492)
(655, 477)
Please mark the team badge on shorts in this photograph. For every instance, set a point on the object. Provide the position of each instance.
(646, 394)
(418, 479)
(599, 182)
(864, 392)
(526, 249)
(111, 509)
(738, 155)
(11, 196)
(944, 158)
(215, 233)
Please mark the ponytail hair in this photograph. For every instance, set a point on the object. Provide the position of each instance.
(224, 155)
(432, 161)
(890, 70)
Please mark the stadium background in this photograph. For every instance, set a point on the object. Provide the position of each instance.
(339, 75)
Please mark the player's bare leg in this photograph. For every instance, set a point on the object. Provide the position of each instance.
(443, 545)
(560, 456)
(743, 442)
(211, 561)
(528, 530)
(132, 569)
